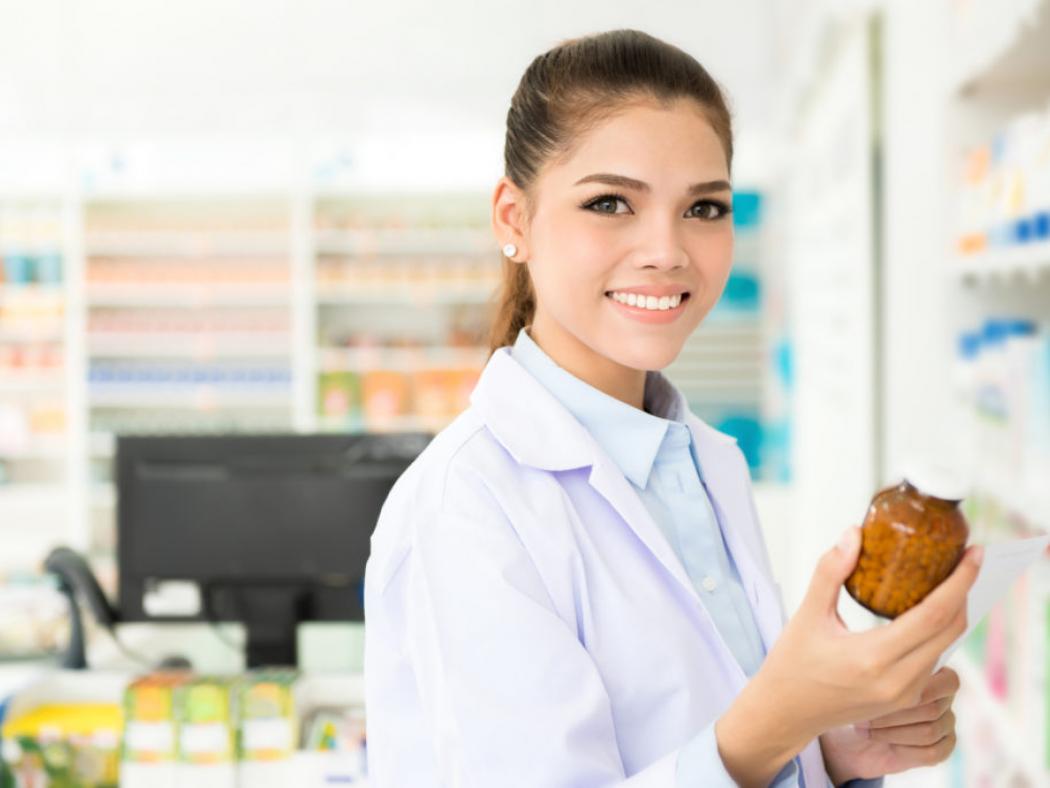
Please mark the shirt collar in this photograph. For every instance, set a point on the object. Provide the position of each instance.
(631, 437)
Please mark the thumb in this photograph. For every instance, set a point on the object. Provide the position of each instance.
(832, 570)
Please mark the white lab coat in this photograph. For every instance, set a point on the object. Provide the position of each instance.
(527, 623)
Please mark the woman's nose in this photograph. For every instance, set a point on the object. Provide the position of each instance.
(661, 246)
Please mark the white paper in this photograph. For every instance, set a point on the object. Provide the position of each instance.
(1003, 565)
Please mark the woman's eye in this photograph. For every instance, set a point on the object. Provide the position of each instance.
(711, 209)
(606, 201)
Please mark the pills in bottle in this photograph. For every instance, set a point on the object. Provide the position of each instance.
(912, 539)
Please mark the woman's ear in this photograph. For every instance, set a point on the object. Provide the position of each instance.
(509, 218)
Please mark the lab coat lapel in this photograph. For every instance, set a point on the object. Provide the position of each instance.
(607, 479)
(539, 431)
(727, 486)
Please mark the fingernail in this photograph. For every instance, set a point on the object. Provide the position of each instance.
(977, 555)
(847, 540)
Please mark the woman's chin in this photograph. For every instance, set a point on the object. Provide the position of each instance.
(651, 356)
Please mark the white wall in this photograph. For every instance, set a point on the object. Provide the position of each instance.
(413, 74)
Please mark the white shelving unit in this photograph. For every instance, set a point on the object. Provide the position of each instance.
(997, 69)
(148, 285)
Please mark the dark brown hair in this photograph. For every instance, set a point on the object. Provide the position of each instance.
(572, 88)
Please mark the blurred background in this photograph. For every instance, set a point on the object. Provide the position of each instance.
(229, 217)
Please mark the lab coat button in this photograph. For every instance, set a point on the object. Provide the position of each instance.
(710, 584)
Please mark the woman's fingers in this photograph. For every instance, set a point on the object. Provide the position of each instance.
(921, 661)
(833, 568)
(921, 734)
(944, 683)
(925, 712)
(928, 620)
(936, 696)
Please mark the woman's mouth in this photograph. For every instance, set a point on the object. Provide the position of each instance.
(649, 308)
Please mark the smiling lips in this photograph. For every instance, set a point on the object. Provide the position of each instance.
(650, 304)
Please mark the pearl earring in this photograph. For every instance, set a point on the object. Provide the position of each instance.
(510, 250)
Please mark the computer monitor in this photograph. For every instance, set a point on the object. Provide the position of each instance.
(267, 530)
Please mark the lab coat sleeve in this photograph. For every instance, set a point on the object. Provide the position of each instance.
(699, 764)
(510, 695)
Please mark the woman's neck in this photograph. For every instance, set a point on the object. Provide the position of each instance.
(623, 383)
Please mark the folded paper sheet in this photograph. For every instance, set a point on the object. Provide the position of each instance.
(1003, 565)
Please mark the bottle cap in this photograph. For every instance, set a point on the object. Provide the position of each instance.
(937, 480)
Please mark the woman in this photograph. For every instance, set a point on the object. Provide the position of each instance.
(569, 587)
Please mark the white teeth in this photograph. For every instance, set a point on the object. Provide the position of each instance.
(647, 302)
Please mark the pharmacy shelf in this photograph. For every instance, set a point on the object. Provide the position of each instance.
(188, 295)
(1025, 763)
(384, 241)
(394, 424)
(32, 293)
(14, 336)
(190, 398)
(29, 382)
(335, 359)
(1025, 263)
(393, 293)
(200, 346)
(188, 244)
(1001, 73)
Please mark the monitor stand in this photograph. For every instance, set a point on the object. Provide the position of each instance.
(270, 615)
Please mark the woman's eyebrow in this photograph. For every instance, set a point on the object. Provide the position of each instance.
(631, 183)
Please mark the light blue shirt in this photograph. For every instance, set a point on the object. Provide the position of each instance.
(654, 449)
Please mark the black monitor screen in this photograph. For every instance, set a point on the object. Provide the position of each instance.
(254, 511)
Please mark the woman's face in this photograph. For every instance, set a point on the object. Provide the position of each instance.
(639, 212)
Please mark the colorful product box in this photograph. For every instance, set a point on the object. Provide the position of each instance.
(149, 749)
(267, 729)
(64, 745)
(206, 733)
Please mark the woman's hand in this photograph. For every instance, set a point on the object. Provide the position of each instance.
(819, 675)
(918, 736)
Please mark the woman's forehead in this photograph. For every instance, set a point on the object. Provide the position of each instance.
(646, 145)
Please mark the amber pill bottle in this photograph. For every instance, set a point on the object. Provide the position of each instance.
(911, 541)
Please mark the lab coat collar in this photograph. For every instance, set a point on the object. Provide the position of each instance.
(525, 417)
(538, 431)
(630, 436)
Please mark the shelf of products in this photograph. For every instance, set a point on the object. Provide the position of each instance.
(998, 283)
(188, 307)
(1002, 411)
(1003, 662)
(261, 727)
(1003, 214)
(32, 343)
(404, 289)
